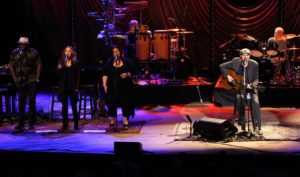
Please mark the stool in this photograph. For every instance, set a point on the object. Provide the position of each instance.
(245, 107)
(53, 101)
(8, 104)
(87, 93)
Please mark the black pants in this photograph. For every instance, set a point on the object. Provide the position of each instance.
(113, 101)
(27, 91)
(73, 98)
(253, 103)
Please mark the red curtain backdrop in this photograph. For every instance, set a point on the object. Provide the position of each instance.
(52, 24)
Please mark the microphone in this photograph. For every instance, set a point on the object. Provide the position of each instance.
(244, 63)
(116, 58)
(21, 51)
(65, 59)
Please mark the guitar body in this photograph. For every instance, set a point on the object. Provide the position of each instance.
(238, 80)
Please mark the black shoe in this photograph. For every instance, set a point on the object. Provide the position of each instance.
(126, 127)
(76, 127)
(65, 127)
(31, 127)
(243, 127)
(111, 125)
(19, 127)
(258, 132)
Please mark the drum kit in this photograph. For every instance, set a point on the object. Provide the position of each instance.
(160, 47)
(275, 66)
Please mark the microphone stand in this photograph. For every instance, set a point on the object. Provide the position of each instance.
(198, 90)
(248, 98)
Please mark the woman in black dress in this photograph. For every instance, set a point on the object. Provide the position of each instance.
(118, 87)
(69, 76)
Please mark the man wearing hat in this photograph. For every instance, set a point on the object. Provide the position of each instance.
(248, 69)
(25, 67)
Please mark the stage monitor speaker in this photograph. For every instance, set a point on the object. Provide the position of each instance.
(214, 128)
(128, 148)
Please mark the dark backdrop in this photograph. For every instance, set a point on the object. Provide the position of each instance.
(52, 24)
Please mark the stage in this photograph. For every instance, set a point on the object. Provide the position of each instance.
(161, 129)
(156, 142)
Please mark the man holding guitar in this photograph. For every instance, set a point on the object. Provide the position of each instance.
(242, 74)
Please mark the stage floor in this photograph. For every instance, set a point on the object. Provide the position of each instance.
(163, 130)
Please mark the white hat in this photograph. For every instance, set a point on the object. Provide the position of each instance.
(245, 51)
(23, 40)
(133, 22)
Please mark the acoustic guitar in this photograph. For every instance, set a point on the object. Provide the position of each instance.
(238, 83)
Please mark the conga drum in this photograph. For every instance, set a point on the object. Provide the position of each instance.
(161, 44)
(143, 43)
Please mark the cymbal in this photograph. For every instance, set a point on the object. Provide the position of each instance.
(185, 32)
(243, 37)
(100, 19)
(176, 29)
(118, 36)
(293, 48)
(120, 15)
(224, 44)
(290, 36)
(136, 3)
(92, 14)
(120, 9)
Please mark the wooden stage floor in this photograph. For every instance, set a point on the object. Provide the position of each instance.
(163, 130)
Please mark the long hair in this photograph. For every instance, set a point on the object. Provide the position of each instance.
(73, 53)
(121, 58)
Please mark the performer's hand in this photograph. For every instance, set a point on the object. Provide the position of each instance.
(105, 88)
(59, 66)
(249, 86)
(229, 78)
(124, 75)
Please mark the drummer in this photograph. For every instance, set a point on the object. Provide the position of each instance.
(280, 38)
(130, 48)
(131, 37)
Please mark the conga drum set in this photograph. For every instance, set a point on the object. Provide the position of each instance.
(160, 49)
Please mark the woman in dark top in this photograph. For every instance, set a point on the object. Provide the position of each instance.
(69, 76)
(118, 87)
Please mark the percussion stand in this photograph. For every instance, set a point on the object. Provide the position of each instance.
(292, 65)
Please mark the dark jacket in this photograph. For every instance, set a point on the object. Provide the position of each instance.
(69, 78)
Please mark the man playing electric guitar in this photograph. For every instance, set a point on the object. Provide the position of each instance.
(245, 82)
